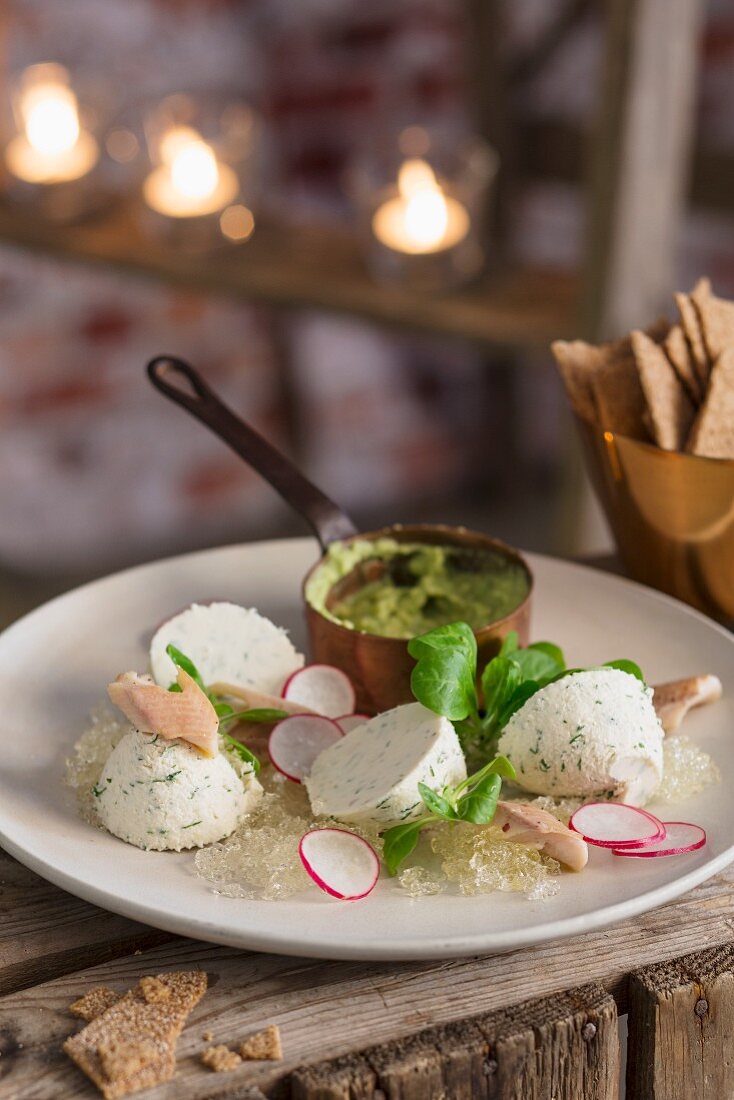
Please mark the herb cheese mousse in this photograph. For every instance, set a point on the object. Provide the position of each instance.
(412, 587)
(589, 733)
(371, 775)
(166, 795)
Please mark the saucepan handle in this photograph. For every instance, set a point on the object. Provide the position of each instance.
(178, 381)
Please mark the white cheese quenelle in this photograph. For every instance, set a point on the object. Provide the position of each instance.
(372, 773)
(165, 795)
(228, 644)
(590, 733)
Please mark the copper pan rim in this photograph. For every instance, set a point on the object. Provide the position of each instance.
(445, 534)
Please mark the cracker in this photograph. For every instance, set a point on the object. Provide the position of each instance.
(576, 361)
(658, 330)
(124, 1058)
(671, 410)
(618, 395)
(132, 1045)
(94, 1003)
(220, 1059)
(601, 380)
(692, 328)
(263, 1046)
(679, 354)
(716, 317)
(712, 435)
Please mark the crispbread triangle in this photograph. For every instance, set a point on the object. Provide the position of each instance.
(576, 361)
(716, 317)
(712, 435)
(679, 354)
(618, 395)
(670, 408)
(691, 326)
(132, 1045)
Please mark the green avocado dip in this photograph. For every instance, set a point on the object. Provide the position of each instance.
(423, 586)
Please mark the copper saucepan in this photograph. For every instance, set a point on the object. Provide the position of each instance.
(379, 667)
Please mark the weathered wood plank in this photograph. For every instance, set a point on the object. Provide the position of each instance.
(681, 1028)
(330, 1010)
(565, 1046)
(45, 932)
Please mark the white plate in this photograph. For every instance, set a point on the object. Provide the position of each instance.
(54, 665)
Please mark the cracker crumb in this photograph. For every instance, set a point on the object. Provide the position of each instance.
(132, 1045)
(208, 1036)
(263, 1046)
(221, 1059)
(154, 990)
(94, 1003)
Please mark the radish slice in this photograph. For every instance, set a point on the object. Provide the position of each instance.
(296, 741)
(616, 825)
(680, 837)
(322, 688)
(340, 863)
(347, 722)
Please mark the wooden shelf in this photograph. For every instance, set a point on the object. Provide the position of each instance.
(316, 267)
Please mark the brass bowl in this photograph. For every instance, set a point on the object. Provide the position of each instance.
(380, 667)
(672, 516)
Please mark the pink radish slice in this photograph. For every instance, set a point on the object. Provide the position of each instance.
(347, 722)
(680, 837)
(340, 863)
(616, 825)
(296, 741)
(322, 688)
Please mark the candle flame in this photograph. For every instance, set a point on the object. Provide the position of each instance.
(191, 162)
(50, 115)
(426, 212)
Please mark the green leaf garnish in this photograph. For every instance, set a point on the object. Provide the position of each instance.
(540, 661)
(444, 680)
(519, 697)
(445, 674)
(264, 715)
(180, 660)
(480, 803)
(436, 803)
(399, 842)
(626, 666)
(474, 799)
(224, 711)
(510, 643)
(241, 750)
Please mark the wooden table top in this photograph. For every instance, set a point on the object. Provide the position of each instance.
(54, 947)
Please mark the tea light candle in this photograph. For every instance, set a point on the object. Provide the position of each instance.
(421, 218)
(190, 181)
(51, 145)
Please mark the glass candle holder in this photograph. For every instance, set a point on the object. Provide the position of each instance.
(202, 182)
(53, 154)
(422, 201)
